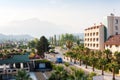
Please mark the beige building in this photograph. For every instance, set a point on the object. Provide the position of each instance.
(94, 37)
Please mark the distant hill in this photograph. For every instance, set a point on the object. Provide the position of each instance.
(15, 37)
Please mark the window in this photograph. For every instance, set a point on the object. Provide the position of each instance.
(93, 34)
(116, 21)
(93, 39)
(116, 33)
(96, 39)
(116, 45)
(96, 33)
(93, 45)
(96, 45)
(90, 34)
(116, 27)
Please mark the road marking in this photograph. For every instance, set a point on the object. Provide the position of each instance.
(45, 76)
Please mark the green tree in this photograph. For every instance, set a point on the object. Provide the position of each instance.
(108, 55)
(42, 46)
(93, 61)
(113, 66)
(23, 75)
(103, 62)
(59, 74)
(78, 74)
(117, 57)
(90, 76)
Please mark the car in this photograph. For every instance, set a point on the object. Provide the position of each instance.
(59, 60)
(56, 52)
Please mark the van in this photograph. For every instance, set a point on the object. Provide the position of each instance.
(59, 60)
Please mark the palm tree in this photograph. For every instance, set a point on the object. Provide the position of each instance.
(69, 44)
(86, 59)
(77, 74)
(23, 75)
(59, 74)
(117, 57)
(80, 56)
(103, 62)
(108, 55)
(71, 55)
(93, 61)
(113, 66)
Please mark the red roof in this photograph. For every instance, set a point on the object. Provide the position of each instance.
(113, 40)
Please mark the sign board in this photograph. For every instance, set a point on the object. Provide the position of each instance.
(42, 65)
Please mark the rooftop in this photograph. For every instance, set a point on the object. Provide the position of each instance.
(95, 27)
(113, 40)
(15, 59)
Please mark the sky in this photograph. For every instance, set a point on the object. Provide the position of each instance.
(49, 17)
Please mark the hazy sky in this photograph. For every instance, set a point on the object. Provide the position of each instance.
(71, 16)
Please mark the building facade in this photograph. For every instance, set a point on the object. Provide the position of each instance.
(104, 37)
(94, 37)
(113, 25)
(113, 43)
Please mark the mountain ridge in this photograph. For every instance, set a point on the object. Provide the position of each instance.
(15, 37)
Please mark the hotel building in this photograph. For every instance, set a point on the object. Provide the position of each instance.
(94, 37)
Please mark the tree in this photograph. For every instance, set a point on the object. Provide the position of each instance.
(69, 44)
(42, 46)
(77, 74)
(93, 61)
(108, 55)
(103, 62)
(23, 75)
(117, 57)
(33, 43)
(80, 56)
(59, 74)
(69, 54)
(113, 66)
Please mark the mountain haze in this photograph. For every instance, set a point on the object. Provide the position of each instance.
(15, 37)
(34, 26)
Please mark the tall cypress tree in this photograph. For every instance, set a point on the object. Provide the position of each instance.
(42, 46)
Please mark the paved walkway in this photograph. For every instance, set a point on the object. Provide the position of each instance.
(107, 76)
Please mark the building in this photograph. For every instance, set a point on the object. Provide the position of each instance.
(104, 37)
(113, 25)
(10, 66)
(94, 37)
(113, 43)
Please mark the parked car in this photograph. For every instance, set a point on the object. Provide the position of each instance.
(59, 60)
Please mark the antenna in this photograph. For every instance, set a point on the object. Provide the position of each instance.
(113, 11)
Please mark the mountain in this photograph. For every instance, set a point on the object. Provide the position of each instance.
(34, 27)
(15, 37)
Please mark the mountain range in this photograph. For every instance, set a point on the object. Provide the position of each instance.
(15, 37)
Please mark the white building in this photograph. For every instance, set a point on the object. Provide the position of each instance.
(113, 43)
(94, 37)
(113, 25)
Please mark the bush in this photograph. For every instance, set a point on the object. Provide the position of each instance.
(66, 64)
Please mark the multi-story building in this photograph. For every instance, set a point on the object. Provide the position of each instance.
(104, 37)
(113, 25)
(94, 37)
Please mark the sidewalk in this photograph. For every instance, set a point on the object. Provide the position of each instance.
(107, 76)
